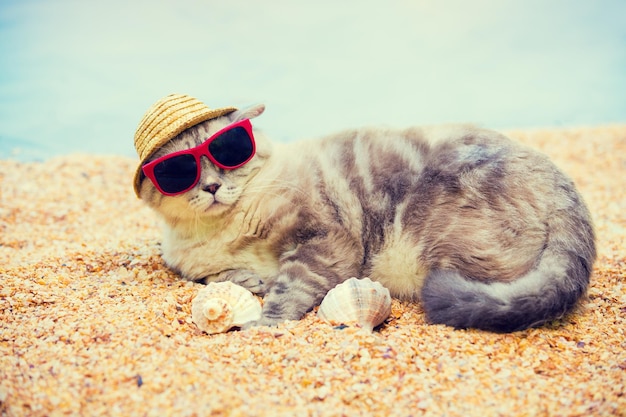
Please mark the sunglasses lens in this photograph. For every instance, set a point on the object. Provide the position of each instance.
(232, 148)
(176, 174)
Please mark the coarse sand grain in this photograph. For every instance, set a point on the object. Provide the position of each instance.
(93, 323)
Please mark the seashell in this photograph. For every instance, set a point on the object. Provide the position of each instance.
(361, 301)
(220, 306)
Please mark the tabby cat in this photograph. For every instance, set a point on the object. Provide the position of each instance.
(484, 232)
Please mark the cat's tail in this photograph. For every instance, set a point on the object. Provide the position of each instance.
(545, 293)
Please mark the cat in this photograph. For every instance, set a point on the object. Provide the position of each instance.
(484, 232)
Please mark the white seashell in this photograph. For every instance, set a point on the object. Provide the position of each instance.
(361, 301)
(220, 306)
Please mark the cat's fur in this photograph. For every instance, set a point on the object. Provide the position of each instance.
(485, 232)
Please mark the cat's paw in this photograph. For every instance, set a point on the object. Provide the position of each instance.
(247, 279)
(263, 321)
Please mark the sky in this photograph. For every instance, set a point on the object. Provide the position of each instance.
(77, 76)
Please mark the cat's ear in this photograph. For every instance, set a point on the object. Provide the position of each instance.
(247, 113)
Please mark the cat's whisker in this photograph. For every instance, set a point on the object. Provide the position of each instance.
(278, 188)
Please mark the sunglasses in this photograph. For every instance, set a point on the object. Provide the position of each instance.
(178, 172)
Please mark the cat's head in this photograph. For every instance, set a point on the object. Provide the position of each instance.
(217, 189)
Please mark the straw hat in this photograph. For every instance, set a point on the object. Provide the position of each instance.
(165, 120)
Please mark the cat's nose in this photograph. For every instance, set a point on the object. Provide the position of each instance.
(211, 188)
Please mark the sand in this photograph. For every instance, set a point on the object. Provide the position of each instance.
(93, 323)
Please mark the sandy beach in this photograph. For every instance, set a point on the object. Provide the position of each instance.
(93, 323)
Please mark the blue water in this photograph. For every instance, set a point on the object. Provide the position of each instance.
(76, 76)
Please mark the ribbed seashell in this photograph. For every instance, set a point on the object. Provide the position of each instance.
(220, 306)
(361, 301)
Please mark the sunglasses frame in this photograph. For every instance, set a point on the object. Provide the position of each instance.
(197, 152)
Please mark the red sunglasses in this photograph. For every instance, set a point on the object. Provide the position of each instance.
(178, 172)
